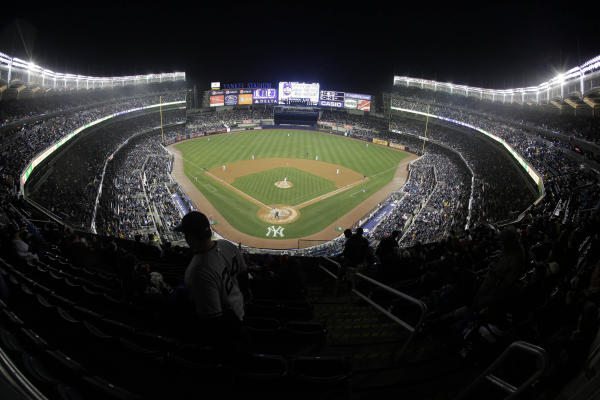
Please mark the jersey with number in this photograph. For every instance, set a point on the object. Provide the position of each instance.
(211, 280)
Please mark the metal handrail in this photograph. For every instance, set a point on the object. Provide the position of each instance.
(589, 369)
(511, 390)
(17, 379)
(328, 272)
(413, 329)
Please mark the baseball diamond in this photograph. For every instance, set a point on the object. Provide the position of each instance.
(247, 198)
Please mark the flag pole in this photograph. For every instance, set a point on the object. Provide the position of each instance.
(162, 133)
(426, 124)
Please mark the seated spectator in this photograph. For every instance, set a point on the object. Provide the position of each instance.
(388, 255)
(499, 283)
(21, 248)
(358, 250)
(153, 242)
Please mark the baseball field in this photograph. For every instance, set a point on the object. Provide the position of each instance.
(268, 188)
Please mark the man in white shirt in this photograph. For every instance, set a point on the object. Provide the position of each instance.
(212, 280)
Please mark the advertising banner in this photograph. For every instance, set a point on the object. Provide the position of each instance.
(245, 99)
(231, 99)
(331, 98)
(357, 96)
(331, 103)
(364, 105)
(217, 101)
(379, 141)
(350, 103)
(397, 146)
(326, 123)
(265, 96)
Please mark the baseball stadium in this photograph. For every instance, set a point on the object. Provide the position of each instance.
(165, 237)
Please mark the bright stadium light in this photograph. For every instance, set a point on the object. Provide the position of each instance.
(586, 72)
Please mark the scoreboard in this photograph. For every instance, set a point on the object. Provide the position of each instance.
(353, 101)
(299, 92)
(291, 93)
(331, 98)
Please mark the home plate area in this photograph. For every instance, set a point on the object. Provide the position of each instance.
(278, 214)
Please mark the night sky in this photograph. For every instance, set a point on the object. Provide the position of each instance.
(344, 45)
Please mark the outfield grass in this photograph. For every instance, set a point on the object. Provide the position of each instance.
(376, 162)
(306, 186)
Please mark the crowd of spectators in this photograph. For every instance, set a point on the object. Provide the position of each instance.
(137, 195)
(500, 192)
(561, 173)
(362, 125)
(20, 147)
(446, 207)
(71, 190)
(213, 120)
(528, 118)
(57, 101)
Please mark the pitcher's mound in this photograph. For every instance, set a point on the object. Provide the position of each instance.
(284, 184)
(281, 215)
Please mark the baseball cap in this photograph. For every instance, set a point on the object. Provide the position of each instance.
(194, 223)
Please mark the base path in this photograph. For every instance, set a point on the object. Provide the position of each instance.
(225, 229)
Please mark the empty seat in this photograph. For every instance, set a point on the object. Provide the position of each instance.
(319, 374)
(263, 333)
(36, 370)
(302, 332)
(261, 373)
(107, 390)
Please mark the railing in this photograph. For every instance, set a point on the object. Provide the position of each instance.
(333, 271)
(13, 376)
(411, 328)
(488, 376)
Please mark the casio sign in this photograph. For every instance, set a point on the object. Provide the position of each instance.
(327, 103)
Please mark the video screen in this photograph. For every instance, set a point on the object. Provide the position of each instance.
(299, 93)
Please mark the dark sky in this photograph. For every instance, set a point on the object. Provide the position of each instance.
(343, 45)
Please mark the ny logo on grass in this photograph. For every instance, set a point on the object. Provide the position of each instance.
(275, 230)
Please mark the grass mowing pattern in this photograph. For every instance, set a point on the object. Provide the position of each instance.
(262, 187)
(378, 163)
